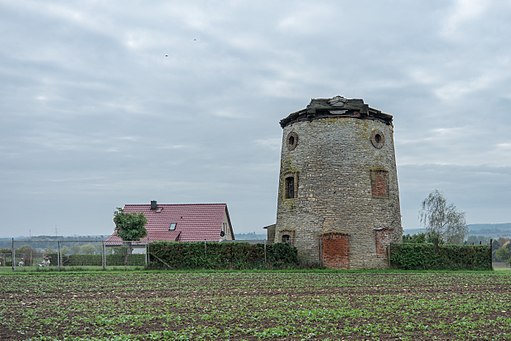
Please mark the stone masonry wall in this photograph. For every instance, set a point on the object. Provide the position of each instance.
(345, 185)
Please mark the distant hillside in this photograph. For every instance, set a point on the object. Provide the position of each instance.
(250, 236)
(43, 242)
(414, 230)
(487, 230)
(490, 230)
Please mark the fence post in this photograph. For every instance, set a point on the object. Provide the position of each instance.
(59, 257)
(103, 256)
(388, 255)
(13, 255)
(320, 251)
(491, 253)
(265, 257)
(147, 254)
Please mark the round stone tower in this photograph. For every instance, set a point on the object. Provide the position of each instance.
(338, 199)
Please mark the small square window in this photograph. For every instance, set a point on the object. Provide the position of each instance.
(172, 226)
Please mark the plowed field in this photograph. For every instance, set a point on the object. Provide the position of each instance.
(255, 305)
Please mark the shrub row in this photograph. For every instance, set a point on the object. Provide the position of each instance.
(179, 255)
(88, 260)
(442, 257)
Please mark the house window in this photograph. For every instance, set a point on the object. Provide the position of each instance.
(290, 188)
(172, 226)
(286, 238)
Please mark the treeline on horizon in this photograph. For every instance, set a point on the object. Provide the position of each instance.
(43, 242)
(47, 241)
(477, 232)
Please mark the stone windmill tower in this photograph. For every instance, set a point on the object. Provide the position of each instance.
(338, 199)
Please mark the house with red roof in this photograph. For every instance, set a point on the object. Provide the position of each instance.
(181, 222)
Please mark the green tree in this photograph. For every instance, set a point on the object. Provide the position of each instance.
(87, 249)
(494, 247)
(25, 253)
(418, 238)
(65, 250)
(502, 254)
(49, 251)
(443, 220)
(129, 227)
(4, 255)
(75, 249)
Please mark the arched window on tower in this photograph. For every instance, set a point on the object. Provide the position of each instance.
(286, 238)
(290, 187)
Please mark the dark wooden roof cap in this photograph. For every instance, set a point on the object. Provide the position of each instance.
(337, 106)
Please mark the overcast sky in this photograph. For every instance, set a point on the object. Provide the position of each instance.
(104, 103)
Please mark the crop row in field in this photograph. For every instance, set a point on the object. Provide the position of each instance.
(256, 305)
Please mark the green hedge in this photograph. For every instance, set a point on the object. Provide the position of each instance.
(179, 255)
(442, 257)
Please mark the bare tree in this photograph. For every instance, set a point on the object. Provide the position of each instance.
(442, 219)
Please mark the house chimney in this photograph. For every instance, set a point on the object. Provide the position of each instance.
(154, 205)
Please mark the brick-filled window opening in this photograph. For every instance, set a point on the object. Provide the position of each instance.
(290, 187)
(382, 240)
(335, 250)
(380, 183)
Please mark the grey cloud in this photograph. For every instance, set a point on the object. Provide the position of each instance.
(93, 114)
(481, 191)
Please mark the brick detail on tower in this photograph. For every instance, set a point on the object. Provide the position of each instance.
(335, 251)
(379, 183)
(382, 237)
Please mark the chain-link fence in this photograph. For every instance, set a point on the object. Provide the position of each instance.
(29, 254)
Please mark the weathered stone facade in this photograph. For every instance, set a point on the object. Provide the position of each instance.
(338, 199)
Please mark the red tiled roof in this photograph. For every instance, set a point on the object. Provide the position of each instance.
(194, 222)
